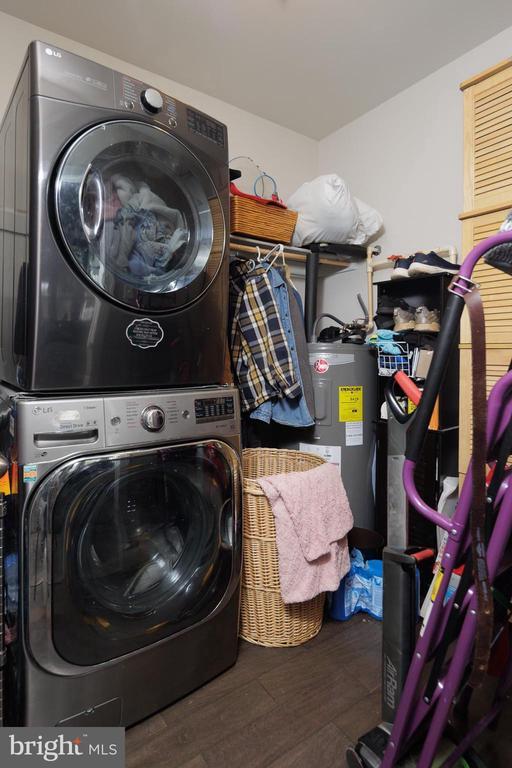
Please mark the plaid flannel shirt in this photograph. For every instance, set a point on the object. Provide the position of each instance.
(261, 356)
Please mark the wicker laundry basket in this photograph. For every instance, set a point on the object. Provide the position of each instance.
(265, 619)
(268, 222)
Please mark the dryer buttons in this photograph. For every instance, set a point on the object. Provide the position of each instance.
(153, 418)
(152, 100)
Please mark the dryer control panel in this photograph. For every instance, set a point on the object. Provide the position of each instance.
(133, 95)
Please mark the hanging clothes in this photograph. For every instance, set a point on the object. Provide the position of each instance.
(261, 356)
(291, 412)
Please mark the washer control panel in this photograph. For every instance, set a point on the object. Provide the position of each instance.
(171, 415)
(48, 429)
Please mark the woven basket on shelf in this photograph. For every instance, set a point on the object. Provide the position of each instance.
(268, 222)
(265, 619)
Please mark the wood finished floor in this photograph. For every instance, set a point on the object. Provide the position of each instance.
(282, 708)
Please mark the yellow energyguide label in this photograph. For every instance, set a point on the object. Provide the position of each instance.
(350, 403)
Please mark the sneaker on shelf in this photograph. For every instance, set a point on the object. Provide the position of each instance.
(401, 267)
(384, 317)
(427, 320)
(431, 264)
(404, 319)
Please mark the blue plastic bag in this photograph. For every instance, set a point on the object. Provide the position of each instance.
(360, 590)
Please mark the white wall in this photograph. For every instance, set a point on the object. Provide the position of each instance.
(406, 158)
(286, 154)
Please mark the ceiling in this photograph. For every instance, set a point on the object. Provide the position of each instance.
(310, 66)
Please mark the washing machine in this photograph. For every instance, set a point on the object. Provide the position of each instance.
(114, 211)
(122, 551)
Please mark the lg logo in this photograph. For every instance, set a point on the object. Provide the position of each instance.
(37, 410)
(52, 52)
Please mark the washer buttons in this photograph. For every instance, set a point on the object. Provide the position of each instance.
(115, 420)
(172, 122)
(128, 104)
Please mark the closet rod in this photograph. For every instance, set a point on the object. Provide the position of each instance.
(290, 255)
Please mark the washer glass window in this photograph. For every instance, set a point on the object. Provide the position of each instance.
(139, 215)
(142, 547)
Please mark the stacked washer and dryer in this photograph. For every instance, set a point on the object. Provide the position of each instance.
(119, 436)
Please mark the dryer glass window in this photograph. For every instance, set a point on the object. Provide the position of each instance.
(143, 547)
(139, 215)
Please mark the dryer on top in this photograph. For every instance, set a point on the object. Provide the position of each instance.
(114, 209)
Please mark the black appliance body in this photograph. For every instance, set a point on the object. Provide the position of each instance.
(114, 214)
(122, 547)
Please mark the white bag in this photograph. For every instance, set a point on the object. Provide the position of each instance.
(370, 222)
(329, 214)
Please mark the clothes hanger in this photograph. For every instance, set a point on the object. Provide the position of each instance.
(278, 250)
(262, 258)
(253, 263)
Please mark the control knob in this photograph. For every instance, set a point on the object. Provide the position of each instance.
(152, 418)
(152, 100)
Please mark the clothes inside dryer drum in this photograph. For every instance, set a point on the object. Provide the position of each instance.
(135, 207)
(141, 550)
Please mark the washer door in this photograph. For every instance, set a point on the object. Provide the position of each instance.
(144, 544)
(139, 215)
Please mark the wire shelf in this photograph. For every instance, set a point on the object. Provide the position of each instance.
(388, 363)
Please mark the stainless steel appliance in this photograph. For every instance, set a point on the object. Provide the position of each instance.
(122, 551)
(345, 387)
(114, 214)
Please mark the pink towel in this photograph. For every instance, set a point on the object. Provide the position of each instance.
(312, 517)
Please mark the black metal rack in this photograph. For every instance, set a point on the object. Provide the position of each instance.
(440, 451)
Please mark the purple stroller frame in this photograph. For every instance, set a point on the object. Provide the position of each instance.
(413, 708)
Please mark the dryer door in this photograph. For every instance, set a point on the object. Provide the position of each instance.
(139, 215)
(143, 544)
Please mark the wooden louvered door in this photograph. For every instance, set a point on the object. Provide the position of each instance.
(488, 141)
(487, 200)
(495, 286)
